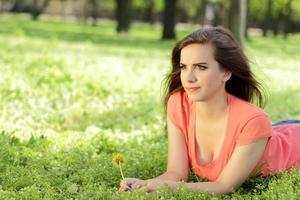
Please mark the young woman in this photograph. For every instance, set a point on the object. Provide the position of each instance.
(213, 127)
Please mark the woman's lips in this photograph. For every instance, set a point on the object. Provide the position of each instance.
(192, 89)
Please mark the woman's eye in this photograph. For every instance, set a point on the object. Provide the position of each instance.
(181, 67)
(202, 67)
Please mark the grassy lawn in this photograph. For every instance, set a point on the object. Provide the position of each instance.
(73, 94)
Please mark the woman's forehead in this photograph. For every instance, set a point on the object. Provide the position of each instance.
(197, 53)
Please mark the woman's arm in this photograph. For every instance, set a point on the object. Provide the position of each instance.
(178, 163)
(241, 164)
(178, 167)
(237, 170)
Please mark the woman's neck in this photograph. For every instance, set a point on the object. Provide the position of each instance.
(212, 109)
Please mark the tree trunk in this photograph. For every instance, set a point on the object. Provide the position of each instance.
(201, 12)
(243, 20)
(218, 14)
(18, 6)
(169, 19)
(123, 15)
(37, 8)
(267, 24)
(287, 19)
(94, 11)
(237, 19)
(223, 14)
(149, 12)
(247, 20)
(276, 27)
(35, 12)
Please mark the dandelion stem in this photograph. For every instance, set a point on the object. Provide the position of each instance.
(121, 171)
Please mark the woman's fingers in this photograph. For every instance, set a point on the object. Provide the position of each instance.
(132, 184)
(126, 184)
(138, 184)
(124, 187)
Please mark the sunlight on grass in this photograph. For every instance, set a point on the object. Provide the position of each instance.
(74, 94)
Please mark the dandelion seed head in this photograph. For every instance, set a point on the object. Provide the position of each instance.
(118, 159)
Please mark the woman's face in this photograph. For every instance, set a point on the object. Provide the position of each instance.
(201, 75)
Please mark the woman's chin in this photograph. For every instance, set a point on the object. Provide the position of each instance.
(194, 98)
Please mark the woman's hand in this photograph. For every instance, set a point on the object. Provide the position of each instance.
(131, 184)
(150, 186)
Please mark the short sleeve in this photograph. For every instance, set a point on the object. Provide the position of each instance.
(173, 108)
(256, 128)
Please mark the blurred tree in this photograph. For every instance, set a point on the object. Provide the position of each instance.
(94, 11)
(37, 8)
(268, 20)
(287, 19)
(295, 16)
(149, 12)
(34, 7)
(187, 11)
(219, 13)
(282, 15)
(123, 10)
(19, 6)
(256, 13)
(247, 19)
(237, 19)
(201, 12)
(271, 15)
(243, 20)
(169, 19)
(63, 7)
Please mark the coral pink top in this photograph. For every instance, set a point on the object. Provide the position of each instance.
(246, 124)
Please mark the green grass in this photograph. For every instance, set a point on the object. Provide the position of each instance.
(73, 94)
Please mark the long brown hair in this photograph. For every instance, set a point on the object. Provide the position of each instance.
(229, 54)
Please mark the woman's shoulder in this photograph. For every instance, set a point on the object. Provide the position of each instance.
(245, 110)
(179, 106)
(179, 99)
(250, 123)
(178, 109)
(179, 95)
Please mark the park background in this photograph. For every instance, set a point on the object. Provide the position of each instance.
(81, 80)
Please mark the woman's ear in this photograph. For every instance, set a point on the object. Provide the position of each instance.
(226, 76)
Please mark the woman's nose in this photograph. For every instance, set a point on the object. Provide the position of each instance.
(191, 77)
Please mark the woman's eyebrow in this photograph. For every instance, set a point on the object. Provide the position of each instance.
(196, 64)
(201, 63)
